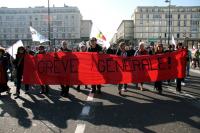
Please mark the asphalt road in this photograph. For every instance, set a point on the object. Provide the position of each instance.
(134, 112)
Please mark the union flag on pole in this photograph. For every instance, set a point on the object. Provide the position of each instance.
(101, 36)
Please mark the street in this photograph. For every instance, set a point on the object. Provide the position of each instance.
(135, 111)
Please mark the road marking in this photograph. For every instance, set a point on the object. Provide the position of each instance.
(85, 111)
(80, 128)
(189, 95)
(183, 93)
(172, 90)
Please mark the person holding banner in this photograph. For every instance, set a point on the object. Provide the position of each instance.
(141, 51)
(123, 52)
(94, 47)
(169, 49)
(83, 48)
(179, 80)
(64, 88)
(3, 72)
(44, 88)
(158, 84)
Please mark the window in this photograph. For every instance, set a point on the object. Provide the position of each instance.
(4, 36)
(63, 35)
(156, 16)
(141, 21)
(185, 22)
(147, 16)
(141, 16)
(16, 36)
(178, 35)
(179, 23)
(178, 16)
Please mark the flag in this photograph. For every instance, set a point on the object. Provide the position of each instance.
(101, 39)
(101, 36)
(13, 49)
(173, 41)
(37, 37)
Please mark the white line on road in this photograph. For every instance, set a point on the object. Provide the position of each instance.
(85, 111)
(188, 95)
(183, 93)
(80, 128)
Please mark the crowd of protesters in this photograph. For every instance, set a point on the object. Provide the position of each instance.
(16, 65)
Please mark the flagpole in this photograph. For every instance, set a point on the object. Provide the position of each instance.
(49, 24)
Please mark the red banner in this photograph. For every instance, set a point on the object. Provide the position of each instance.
(92, 68)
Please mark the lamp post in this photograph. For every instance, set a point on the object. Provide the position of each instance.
(168, 1)
(49, 24)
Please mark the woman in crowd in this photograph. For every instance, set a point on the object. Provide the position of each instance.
(179, 80)
(123, 52)
(83, 48)
(141, 51)
(158, 84)
(19, 66)
(44, 88)
(169, 49)
(64, 88)
(94, 47)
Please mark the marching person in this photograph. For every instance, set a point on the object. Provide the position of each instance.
(3, 72)
(94, 47)
(19, 66)
(158, 84)
(64, 88)
(44, 88)
(169, 49)
(189, 58)
(179, 80)
(83, 48)
(141, 51)
(123, 52)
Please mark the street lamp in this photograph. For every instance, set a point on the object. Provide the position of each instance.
(49, 24)
(168, 1)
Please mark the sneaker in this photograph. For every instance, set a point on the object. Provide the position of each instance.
(141, 88)
(41, 92)
(183, 83)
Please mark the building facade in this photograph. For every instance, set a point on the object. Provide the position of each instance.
(86, 27)
(65, 23)
(125, 33)
(151, 24)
